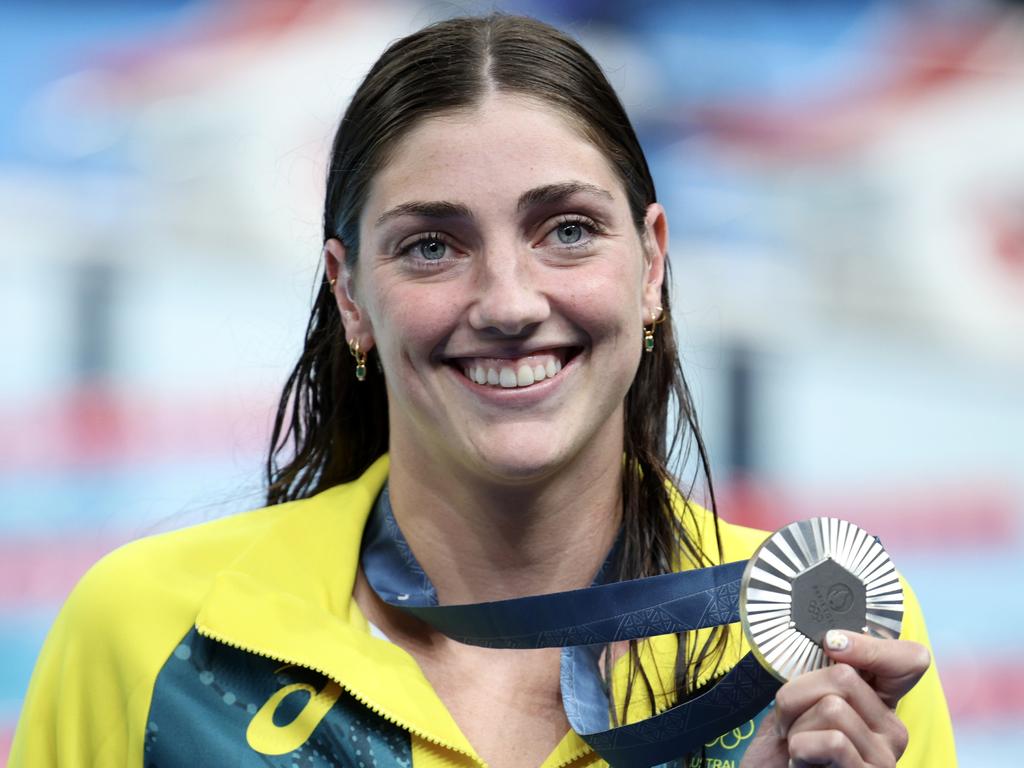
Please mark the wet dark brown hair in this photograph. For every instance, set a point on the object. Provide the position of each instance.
(329, 428)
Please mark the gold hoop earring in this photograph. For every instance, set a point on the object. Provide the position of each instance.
(332, 282)
(360, 356)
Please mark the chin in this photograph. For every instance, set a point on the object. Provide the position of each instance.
(514, 472)
(518, 464)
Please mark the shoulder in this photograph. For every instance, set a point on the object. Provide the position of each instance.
(90, 686)
(924, 710)
(183, 562)
(136, 603)
(172, 572)
(178, 562)
(94, 677)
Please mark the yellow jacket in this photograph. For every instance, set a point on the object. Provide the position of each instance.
(237, 642)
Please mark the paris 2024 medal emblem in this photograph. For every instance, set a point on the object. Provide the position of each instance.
(810, 577)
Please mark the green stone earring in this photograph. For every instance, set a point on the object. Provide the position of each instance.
(360, 356)
(649, 329)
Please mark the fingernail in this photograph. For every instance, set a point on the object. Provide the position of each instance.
(836, 640)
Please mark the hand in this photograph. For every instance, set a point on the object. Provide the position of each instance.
(842, 715)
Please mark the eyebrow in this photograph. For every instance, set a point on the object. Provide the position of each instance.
(557, 193)
(438, 209)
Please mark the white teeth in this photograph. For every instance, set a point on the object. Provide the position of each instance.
(517, 374)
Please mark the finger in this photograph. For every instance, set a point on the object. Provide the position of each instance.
(800, 694)
(817, 748)
(895, 666)
(765, 748)
(833, 713)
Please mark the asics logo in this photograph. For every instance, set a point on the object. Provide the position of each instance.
(265, 736)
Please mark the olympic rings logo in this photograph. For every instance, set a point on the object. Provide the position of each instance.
(732, 739)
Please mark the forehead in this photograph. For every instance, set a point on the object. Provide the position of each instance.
(487, 156)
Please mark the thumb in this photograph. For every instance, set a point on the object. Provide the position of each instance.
(892, 667)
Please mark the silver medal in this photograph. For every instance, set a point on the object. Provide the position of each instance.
(812, 576)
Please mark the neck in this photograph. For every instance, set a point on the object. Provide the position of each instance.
(480, 540)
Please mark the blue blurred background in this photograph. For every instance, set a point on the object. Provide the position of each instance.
(845, 185)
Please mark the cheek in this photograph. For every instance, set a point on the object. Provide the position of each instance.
(609, 304)
(412, 320)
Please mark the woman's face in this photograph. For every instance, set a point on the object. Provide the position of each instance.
(505, 287)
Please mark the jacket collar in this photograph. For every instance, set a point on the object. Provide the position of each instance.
(289, 597)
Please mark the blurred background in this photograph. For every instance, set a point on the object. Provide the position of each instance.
(845, 186)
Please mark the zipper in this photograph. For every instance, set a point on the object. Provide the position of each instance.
(377, 710)
(574, 757)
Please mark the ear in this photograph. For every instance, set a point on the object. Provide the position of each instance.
(341, 278)
(655, 252)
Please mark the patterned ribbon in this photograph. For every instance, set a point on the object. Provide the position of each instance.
(580, 622)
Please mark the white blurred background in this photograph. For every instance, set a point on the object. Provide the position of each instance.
(845, 185)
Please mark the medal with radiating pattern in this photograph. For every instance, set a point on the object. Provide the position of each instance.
(812, 576)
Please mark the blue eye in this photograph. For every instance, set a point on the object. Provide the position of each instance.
(431, 249)
(569, 232)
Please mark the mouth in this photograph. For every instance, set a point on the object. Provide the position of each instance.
(515, 373)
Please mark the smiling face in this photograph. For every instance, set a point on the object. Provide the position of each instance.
(505, 286)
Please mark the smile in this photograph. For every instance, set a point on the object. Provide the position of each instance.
(511, 373)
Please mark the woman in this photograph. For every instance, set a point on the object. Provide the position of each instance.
(487, 377)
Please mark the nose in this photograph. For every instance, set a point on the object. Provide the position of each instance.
(509, 300)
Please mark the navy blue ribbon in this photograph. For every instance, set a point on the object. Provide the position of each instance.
(581, 621)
